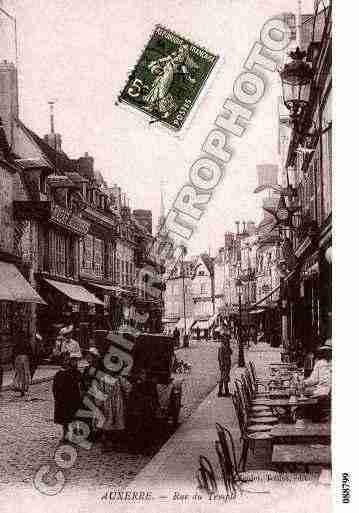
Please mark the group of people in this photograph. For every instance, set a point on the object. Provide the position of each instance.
(70, 387)
(125, 402)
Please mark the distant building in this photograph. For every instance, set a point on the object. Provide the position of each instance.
(178, 300)
(144, 217)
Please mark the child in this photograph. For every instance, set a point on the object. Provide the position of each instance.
(67, 392)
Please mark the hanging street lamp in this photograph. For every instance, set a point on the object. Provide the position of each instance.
(296, 78)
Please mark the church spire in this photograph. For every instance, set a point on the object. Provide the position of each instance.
(162, 217)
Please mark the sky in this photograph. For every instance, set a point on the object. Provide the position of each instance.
(80, 53)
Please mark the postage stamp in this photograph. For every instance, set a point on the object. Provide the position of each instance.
(168, 78)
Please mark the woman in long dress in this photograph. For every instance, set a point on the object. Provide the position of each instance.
(113, 409)
(22, 357)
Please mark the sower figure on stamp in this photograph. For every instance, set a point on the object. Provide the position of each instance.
(159, 97)
(224, 361)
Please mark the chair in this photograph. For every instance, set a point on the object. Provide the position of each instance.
(249, 432)
(226, 453)
(258, 382)
(206, 477)
(233, 465)
(258, 416)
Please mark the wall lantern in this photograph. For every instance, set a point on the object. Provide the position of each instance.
(296, 78)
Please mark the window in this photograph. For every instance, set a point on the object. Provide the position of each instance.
(326, 122)
(203, 288)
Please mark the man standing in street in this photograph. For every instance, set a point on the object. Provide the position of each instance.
(224, 361)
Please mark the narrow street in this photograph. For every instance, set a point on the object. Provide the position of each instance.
(29, 436)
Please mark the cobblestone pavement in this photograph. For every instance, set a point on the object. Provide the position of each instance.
(29, 437)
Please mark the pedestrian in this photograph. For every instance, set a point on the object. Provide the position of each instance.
(113, 408)
(36, 354)
(22, 356)
(176, 335)
(65, 344)
(67, 389)
(92, 356)
(224, 361)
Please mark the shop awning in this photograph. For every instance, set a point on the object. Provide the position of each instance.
(257, 311)
(14, 287)
(111, 289)
(169, 321)
(264, 298)
(75, 292)
(202, 325)
(180, 324)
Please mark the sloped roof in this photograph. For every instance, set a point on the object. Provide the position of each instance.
(58, 159)
(4, 145)
(208, 262)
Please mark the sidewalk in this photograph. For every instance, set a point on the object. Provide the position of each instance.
(42, 374)
(170, 476)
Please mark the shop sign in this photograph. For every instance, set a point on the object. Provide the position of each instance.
(64, 217)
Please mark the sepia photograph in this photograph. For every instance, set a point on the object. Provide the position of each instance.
(166, 186)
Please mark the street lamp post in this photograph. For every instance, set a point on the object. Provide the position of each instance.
(241, 362)
(185, 337)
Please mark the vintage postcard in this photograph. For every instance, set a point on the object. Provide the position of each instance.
(166, 302)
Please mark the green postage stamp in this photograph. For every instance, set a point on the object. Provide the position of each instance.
(168, 78)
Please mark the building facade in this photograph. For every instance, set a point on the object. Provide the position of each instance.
(307, 288)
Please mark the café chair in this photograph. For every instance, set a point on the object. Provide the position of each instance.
(206, 477)
(233, 464)
(258, 416)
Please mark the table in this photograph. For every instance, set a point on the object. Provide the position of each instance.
(283, 403)
(276, 394)
(301, 454)
(286, 404)
(312, 431)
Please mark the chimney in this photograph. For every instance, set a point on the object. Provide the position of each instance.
(53, 139)
(9, 106)
(86, 166)
(251, 227)
(228, 240)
